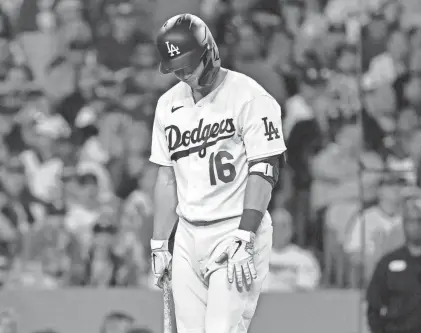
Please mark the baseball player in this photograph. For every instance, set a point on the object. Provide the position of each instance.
(218, 140)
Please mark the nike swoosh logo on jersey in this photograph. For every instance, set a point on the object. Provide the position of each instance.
(175, 108)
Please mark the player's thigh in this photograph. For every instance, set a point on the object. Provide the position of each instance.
(230, 310)
(190, 294)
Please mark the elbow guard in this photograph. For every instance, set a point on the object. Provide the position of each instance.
(268, 168)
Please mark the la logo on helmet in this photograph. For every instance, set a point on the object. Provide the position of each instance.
(172, 49)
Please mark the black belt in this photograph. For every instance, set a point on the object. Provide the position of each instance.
(207, 223)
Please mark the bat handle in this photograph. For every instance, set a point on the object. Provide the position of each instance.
(168, 304)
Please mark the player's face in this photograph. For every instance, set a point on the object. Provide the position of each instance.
(190, 76)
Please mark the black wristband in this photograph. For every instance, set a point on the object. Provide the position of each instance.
(250, 220)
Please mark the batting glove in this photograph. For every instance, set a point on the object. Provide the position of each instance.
(239, 257)
(161, 260)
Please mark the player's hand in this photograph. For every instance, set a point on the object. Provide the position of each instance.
(239, 257)
(161, 260)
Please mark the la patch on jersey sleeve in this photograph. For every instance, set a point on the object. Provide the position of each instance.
(159, 150)
(261, 127)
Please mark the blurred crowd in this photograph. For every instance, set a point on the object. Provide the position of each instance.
(77, 99)
(112, 322)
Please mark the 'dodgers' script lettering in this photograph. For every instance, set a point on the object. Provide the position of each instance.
(202, 134)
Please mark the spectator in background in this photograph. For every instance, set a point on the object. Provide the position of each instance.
(94, 198)
(335, 172)
(388, 66)
(395, 238)
(136, 223)
(403, 152)
(336, 37)
(248, 58)
(21, 205)
(50, 256)
(366, 232)
(115, 46)
(144, 83)
(102, 263)
(114, 260)
(393, 303)
(280, 58)
(312, 79)
(56, 248)
(137, 216)
(91, 148)
(379, 114)
(117, 322)
(34, 275)
(62, 72)
(40, 159)
(343, 87)
(131, 252)
(114, 131)
(135, 161)
(292, 268)
(69, 186)
(374, 38)
(16, 78)
(293, 12)
(313, 37)
(307, 116)
(70, 17)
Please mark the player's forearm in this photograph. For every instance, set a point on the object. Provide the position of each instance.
(165, 198)
(256, 201)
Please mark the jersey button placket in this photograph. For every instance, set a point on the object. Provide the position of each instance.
(192, 176)
(196, 166)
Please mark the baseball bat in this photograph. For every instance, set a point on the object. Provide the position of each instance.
(169, 313)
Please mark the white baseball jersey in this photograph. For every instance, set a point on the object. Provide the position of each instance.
(209, 143)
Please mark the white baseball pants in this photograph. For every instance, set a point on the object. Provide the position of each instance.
(214, 306)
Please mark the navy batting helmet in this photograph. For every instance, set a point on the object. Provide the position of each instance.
(184, 41)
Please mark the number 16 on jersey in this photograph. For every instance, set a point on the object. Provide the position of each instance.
(220, 170)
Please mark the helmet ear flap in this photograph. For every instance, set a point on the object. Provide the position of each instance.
(211, 67)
